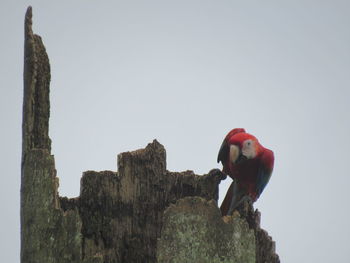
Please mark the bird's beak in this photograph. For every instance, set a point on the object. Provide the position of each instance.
(241, 158)
(236, 155)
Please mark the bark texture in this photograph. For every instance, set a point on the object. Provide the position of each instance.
(48, 234)
(122, 213)
(119, 216)
(265, 246)
(194, 231)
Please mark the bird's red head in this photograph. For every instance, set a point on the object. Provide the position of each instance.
(237, 145)
(233, 132)
(247, 144)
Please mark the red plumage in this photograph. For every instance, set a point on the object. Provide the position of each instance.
(248, 163)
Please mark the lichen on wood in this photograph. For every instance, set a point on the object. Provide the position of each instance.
(194, 231)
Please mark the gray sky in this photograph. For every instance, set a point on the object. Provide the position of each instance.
(186, 72)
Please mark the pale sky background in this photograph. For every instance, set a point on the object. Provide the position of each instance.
(186, 72)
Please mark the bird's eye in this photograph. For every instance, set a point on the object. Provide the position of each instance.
(248, 143)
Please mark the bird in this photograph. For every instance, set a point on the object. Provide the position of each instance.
(248, 163)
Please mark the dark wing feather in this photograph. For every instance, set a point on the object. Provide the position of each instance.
(223, 152)
(265, 171)
(263, 179)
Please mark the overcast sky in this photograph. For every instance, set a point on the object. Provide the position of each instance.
(186, 72)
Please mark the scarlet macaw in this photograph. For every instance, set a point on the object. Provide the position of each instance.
(248, 163)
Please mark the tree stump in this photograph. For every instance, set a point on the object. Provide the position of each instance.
(119, 216)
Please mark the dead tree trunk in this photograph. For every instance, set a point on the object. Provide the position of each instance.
(120, 216)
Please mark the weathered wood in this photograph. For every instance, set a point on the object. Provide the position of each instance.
(122, 213)
(265, 246)
(118, 216)
(195, 232)
(36, 80)
(47, 233)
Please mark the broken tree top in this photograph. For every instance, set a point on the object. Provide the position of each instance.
(141, 213)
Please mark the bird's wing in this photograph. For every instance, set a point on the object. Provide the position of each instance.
(265, 171)
(223, 152)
